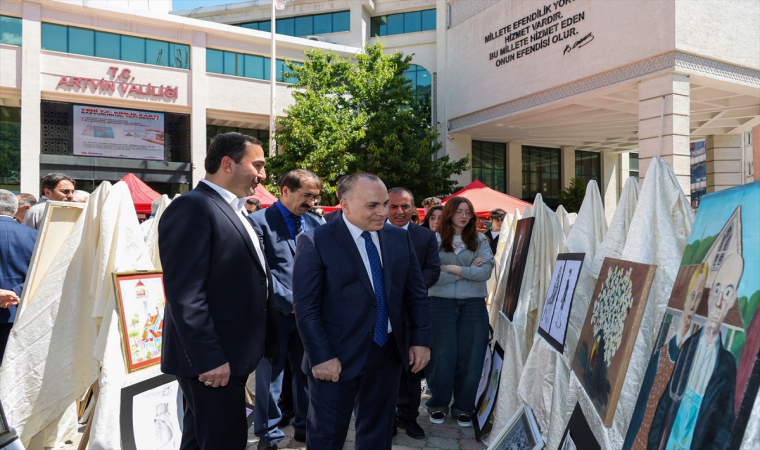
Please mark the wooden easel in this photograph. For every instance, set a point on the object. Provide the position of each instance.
(86, 435)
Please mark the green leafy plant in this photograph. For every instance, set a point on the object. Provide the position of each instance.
(572, 197)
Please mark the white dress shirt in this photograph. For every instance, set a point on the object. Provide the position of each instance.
(237, 205)
(356, 234)
(406, 226)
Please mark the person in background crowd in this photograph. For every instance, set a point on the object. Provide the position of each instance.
(415, 215)
(16, 247)
(81, 196)
(497, 219)
(433, 218)
(354, 280)
(220, 317)
(429, 203)
(252, 205)
(148, 223)
(25, 201)
(460, 317)
(318, 211)
(329, 217)
(400, 211)
(55, 186)
(279, 226)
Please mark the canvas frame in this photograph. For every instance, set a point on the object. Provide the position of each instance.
(523, 411)
(128, 393)
(480, 432)
(4, 427)
(557, 345)
(123, 327)
(581, 431)
(524, 230)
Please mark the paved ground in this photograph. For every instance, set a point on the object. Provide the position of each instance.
(447, 436)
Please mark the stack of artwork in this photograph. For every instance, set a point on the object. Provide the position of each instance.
(703, 373)
(578, 434)
(520, 433)
(518, 257)
(559, 299)
(488, 399)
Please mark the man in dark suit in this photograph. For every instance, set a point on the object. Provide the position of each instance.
(355, 279)
(16, 247)
(279, 226)
(220, 317)
(329, 217)
(400, 210)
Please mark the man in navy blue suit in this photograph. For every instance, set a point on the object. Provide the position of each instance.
(279, 226)
(220, 317)
(400, 210)
(16, 247)
(354, 281)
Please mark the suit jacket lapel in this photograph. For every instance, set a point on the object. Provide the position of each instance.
(348, 246)
(282, 226)
(387, 250)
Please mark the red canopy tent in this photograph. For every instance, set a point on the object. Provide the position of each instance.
(142, 194)
(485, 200)
(264, 196)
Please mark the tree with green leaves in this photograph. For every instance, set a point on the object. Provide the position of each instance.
(572, 197)
(361, 116)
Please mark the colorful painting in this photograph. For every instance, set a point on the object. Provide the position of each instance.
(609, 332)
(578, 433)
(518, 257)
(140, 302)
(559, 299)
(520, 433)
(703, 374)
(488, 399)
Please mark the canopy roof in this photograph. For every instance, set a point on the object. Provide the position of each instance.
(142, 194)
(485, 199)
(264, 196)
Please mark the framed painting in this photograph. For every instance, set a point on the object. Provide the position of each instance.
(140, 303)
(520, 433)
(518, 256)
(484, 407)
(578, 434)
(151, 414)
(559, 299)
(703, 374)
(609, 332)
(4, 428)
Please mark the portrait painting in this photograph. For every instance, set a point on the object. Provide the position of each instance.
(578, 434)
(485, 404)
(609, 331)
(559, 299)
(518, 257)
(703, 374)
(140, 303)
(520, 433)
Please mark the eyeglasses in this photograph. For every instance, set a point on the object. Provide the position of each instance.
(310, 197)
(65, 191)
(463, 213)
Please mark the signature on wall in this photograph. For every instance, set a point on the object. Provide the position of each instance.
(579, 43)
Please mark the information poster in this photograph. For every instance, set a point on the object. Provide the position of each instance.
(118, 133)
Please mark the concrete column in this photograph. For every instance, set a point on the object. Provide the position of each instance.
(457, 147)
(31, 143)
(198, 111)
(514, 170)
(624, 165)
(672, 122)
(723, 159)
(360, 17)
(609, 182)
(567, 165)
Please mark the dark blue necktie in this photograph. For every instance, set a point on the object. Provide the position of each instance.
(381, 324)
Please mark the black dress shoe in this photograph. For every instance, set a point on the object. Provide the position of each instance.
(299, 437)
(266, 446)
(286, 417)
(413, 429)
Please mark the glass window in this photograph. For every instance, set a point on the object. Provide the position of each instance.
(410, 22)
(304, 26)
(248, 66)
(378, 26)
(341, 21)
(214, 61)
(10, 148)
(266, 26)
(633, 165)
(413, 22)
(55, 37)
(133, 49)
(156, 52)
(421, 81)
(10, 30)
(587, 166)
(541, 174)
(213, 130)
(254, 67)
(286, 27)
(107, 45)
(323, 23)
(230, 63)
(81, 41)
(395, 24)
(428, 20)
(180, 55)
(251, 25)
(489, 164)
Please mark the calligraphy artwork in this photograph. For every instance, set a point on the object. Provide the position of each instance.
(559, 299)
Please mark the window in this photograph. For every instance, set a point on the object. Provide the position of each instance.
(10, 148)
(541, 174)
(86, 42)
(305, 25)
(213, 130)
(587, 166)
(10, 30)
(421, 82)
(633, 165)
(489, 164)
(248, 66)
(409, 22)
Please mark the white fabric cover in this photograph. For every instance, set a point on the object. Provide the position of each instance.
(564, 219)
(496, 295)
(516, 338)
(545, 378)
(657, 235)
(152, 238)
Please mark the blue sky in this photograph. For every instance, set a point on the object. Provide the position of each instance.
(190, 4)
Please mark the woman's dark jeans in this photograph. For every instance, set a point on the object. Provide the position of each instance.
(460, 337)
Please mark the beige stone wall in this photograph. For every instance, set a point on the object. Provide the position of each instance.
(723, 159)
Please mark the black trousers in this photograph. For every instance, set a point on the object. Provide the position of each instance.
(5, 331)
(409, 395)
(214, 417)
(371, 396)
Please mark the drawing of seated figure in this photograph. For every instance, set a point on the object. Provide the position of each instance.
(558, 322)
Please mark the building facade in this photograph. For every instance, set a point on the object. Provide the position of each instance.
(534, 93)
